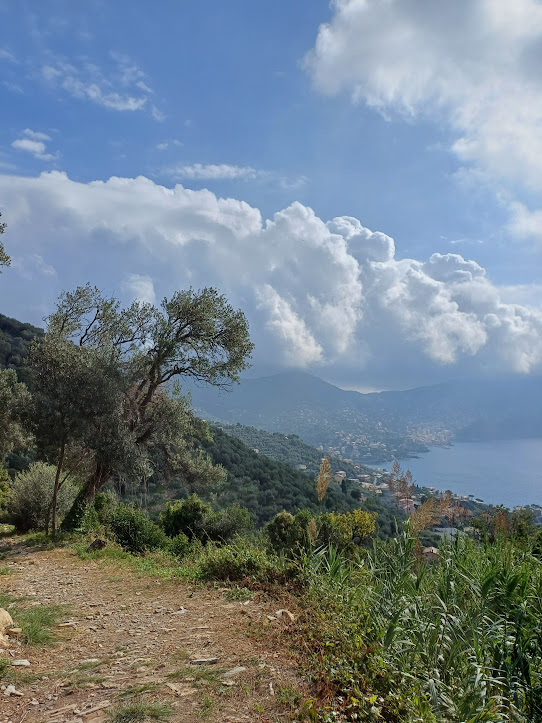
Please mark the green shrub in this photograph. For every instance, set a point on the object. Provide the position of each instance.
(134, 531)
(4, 487)
(185, 516)
(105, 504)
(236, 561)
(99, 513)
(347, 531)
(198, 520)
(223, 525)
(31, 495)
(288, 533)
(179, 545)
(91, 521)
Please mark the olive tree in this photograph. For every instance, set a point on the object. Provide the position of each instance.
(128, 416)
(76, 403)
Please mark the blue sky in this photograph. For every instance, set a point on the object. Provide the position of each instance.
(413, 119)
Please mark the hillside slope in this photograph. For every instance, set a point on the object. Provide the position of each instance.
(15, 340)
(267, 487)
(377, 427)
(291, 449)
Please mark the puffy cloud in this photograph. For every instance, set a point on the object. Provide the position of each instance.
(299, 345)
(36, 135)
(317, 293)
(452, 267)
(35, 143)
(472, 65)
(36, 148)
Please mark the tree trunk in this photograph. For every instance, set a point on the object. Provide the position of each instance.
(48, 520)
(84, 497)
(54, 503)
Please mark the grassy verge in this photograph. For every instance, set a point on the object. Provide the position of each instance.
(158, 564)
(137, 711)
(36, 622)
(37, 629)
(241, 559)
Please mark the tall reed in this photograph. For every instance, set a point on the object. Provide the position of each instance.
(456, 640)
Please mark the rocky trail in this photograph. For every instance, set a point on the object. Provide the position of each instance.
(125, 641)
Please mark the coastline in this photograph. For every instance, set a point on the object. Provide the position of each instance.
(500, 472)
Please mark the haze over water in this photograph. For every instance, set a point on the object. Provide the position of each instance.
(504, 472)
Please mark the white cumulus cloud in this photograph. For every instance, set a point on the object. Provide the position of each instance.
(34, 142)
(470, 65)
(317, 293)
(140, 287)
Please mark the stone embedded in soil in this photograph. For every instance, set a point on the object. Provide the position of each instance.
(234, 671)
(6, 620)
(11, 690)
(282, 612)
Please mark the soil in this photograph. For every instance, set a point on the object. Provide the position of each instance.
(127, 638)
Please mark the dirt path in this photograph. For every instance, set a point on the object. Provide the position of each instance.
(128, 639)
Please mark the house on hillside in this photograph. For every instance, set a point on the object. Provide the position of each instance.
(407, 506)
(431, 554)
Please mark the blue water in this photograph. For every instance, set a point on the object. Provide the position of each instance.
(506, 472)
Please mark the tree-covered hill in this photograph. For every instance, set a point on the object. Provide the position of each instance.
(265, 481)
(267, 487)
(15, 340)
(289, 448)
(380, 426)
(263, 485)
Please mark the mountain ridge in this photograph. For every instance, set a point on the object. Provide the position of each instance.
(374, 427)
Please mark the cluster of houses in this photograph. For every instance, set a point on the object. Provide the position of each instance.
(537, 513)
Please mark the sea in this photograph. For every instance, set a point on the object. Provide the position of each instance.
(505, 472)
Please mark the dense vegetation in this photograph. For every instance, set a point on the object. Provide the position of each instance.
(99, 406)
(68, 388)
(289, 448)
(402, 639)
(384, 633)
(267, 487)
(261, 485)
(15, 341)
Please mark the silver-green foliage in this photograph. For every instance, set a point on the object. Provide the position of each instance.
(29, 501)
(14, 397)
(136, 353)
